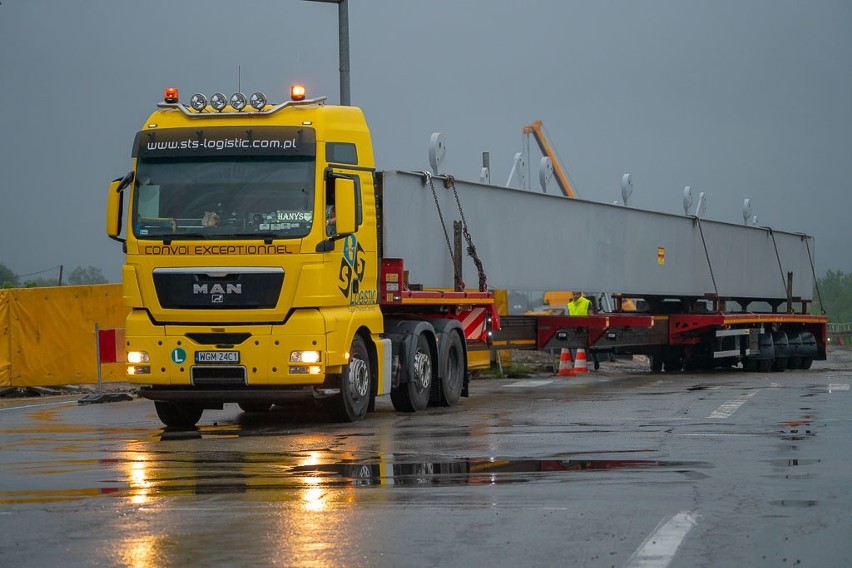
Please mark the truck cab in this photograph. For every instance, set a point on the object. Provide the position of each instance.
(251, 256)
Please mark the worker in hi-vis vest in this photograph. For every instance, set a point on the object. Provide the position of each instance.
(579, 305)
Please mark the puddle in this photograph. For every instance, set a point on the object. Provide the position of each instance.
(284, 476)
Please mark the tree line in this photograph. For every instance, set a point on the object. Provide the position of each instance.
(79, 276)
(834, 296)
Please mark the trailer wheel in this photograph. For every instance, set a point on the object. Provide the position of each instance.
(354, 398)
(673, 363)
(255, 406)
(806, 363)
(764, 365)
(178, 414)
(414, 395)
(779, 364)
(749, 365)
(452, 379)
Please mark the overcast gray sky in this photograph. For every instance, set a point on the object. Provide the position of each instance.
(735, 98)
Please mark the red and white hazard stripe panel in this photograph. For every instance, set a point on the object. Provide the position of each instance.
(473, 323)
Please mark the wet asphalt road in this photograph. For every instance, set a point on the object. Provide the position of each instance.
(615, 468)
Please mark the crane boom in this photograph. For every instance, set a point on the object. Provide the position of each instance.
(537, 130)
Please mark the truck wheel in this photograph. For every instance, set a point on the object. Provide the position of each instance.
(806, 362)
(452, 378)
(414, 395)
(764, 365)
(354, 398)
(656, 363)
(178, 414)
(749, 365)
(779, 364)
(255, 406)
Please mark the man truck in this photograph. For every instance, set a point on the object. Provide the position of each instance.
(267, 259)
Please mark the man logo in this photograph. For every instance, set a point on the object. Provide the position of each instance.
(217, 289)
(217, 292)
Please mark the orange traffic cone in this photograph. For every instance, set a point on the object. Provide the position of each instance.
(580, 364)
(566, 369)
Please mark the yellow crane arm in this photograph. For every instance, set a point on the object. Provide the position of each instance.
(547, 149)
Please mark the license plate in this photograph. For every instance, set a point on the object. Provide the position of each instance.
(217, 356)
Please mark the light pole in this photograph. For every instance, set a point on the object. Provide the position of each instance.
(343, 40)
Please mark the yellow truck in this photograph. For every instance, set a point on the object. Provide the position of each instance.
(254, 269)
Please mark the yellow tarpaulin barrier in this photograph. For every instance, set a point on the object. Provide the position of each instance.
(48, 334)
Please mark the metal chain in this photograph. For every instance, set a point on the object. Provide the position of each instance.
(707, 254)
(456, 276)
(450, 182)
(778, 257)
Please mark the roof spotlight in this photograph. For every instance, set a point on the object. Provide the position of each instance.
(258, 100)
(198, 102)
(218, 101)
(238, 101)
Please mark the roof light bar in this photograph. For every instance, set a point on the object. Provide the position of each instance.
(199, 106)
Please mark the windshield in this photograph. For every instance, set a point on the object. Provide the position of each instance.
(224, 197)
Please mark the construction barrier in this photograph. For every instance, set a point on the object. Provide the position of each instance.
(47, 335)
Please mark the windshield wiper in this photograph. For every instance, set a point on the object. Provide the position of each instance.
(183, 236)
(266, 236)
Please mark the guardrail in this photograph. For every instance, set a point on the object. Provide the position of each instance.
(840, 327)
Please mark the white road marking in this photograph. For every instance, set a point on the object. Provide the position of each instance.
(40, 405)
(531, 383)
(838, 387)
(731, 406)
(658, 550)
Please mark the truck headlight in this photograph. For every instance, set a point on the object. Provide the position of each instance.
(137, 357)
(305, 357)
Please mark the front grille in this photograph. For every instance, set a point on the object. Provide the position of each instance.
(218, 376)
(218, 288)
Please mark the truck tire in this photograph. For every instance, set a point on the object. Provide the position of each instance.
(414, 394)
(807, 362)
(354, 398)
(178, 414)
(447, 391)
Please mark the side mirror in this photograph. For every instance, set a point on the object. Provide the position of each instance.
(345, 206)
(115, 206)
